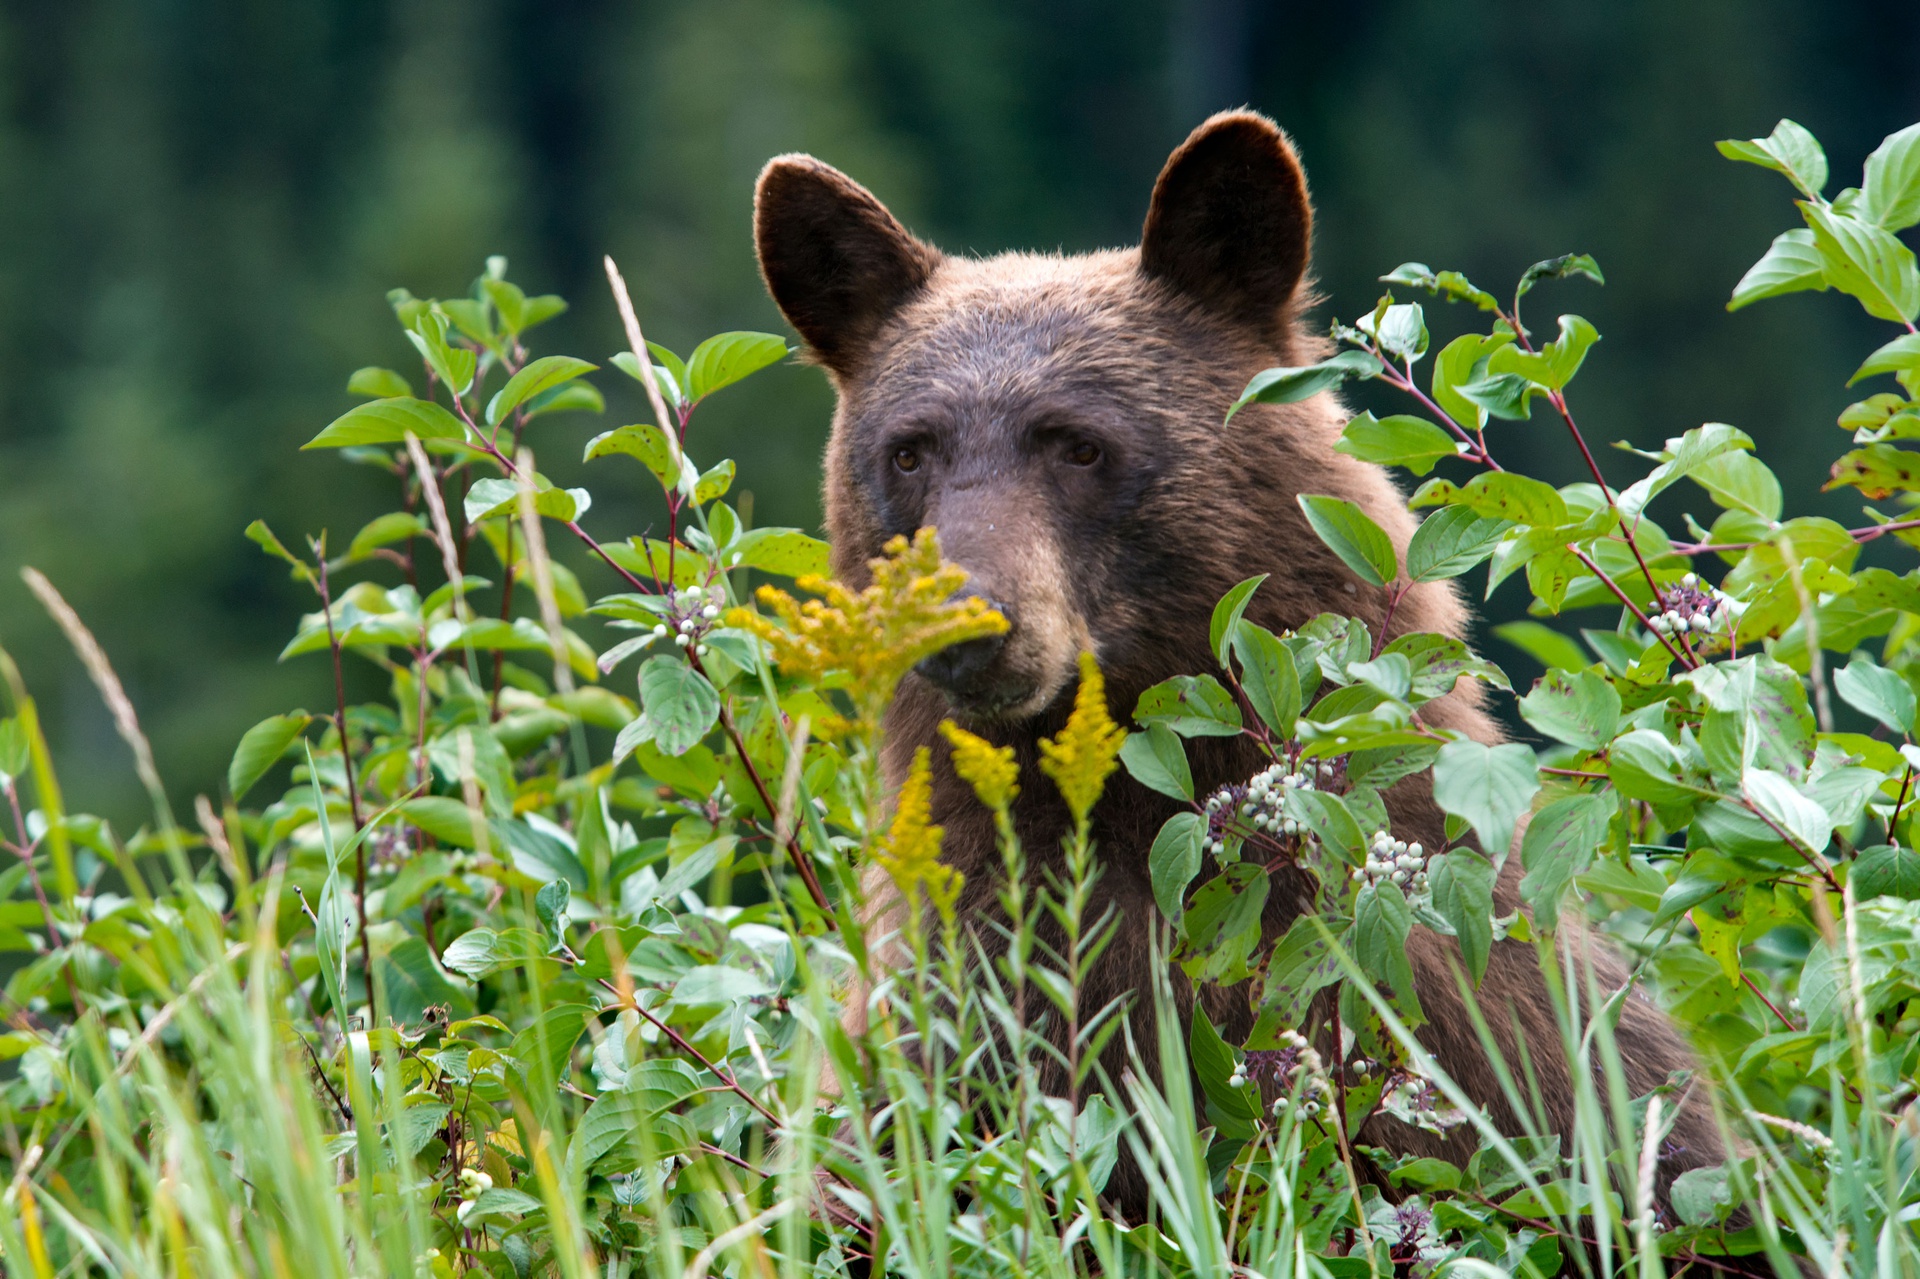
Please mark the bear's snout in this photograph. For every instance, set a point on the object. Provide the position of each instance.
(965, 671)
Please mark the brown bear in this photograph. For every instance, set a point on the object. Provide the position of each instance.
(1059, 420)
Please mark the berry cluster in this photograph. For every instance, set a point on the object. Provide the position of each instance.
(1295, 1065)
(473, 1184)
(1391, 860)
(693, 614)
(1693, 607)
(1261, 803)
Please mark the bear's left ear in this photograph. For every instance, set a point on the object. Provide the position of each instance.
(1229, 225)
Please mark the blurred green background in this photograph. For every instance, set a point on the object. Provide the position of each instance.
(203, 202)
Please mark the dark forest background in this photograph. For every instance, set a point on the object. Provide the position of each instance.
(203, 202)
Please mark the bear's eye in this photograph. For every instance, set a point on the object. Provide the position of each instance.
(1083, 453)
(906, 458)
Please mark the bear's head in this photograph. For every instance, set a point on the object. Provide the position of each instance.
(1059, 419)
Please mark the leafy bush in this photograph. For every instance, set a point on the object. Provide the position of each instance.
(518, 974)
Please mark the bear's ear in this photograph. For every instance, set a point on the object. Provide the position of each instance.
(834, 259)
(1229, 225)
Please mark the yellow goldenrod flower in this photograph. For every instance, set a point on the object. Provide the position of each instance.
(910, 850)
(875, 637)
(989, 769)
(1081, 758)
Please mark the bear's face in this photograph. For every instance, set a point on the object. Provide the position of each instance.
(1055, 418)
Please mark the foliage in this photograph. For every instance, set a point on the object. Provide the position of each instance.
(519, 974)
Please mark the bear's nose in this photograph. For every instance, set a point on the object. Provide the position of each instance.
(958, 667)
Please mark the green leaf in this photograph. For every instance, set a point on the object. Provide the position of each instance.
(1500, 495)
(1757, 716)
(1791, 264)
(260, 535)
(1560, 843)
(1543, 644)
(1227, 614)
(570, 397)
(260, 749)
(496, 496)
(378, 383)
(481, 952)
(1301, 964)
(1451, 541)
(1902, 355)
(1554, 365)
(538, 377)
(1886, 870)
(1158, 760)
(384, 530)
(1490, 786)
(1789, 149)
(1390, 673)
(1426, 1174)
(1462, 886)
(726, 358)
(483, 757)
(1190, 705)
(785, 551)
(673, 365)
(1878, 471)
(550, 907)
(1451, 285)
(452, 365)
(1867, 262)
(1287, 386)
(1644, 765)
(1890, 192)
(1637, 882)
(1331, 820)
(14, 752)
(1400, 440)
(1581, 708)
(1269, 676)
(411, 983)
(1739, 481)
(1682, 456)
(1175, 859)
(1401, 330)
(1227, 907)
(1458, 364)
(545, 1045)
(1567, 264)
(1805, 822)
(647, 443)
(1702, 1196)
(666, 379)
(1872, 689)
(388, 422)
(714, 483)
(1382, 919)
(1360, 543)
(678, 705)
(1213, 1068)
(1507, 396)
(712, 984)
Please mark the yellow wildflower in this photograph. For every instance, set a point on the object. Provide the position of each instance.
(910, 850)
(876, 636)
(989, 769)
(1081, 758)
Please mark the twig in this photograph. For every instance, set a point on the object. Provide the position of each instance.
(720, 1072)
(353, 787)
(1784, 1019)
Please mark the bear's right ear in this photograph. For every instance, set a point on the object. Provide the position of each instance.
(835, 261)
(1230, 225)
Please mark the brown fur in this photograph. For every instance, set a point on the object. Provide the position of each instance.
(990, 372)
